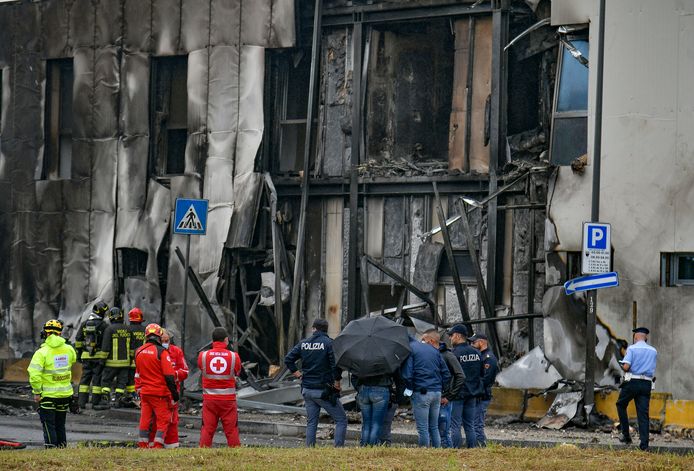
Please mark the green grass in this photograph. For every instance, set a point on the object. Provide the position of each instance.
(563, 457)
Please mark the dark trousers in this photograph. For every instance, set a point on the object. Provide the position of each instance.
(52, 411)
(463, 415)
(640, 391)
(120, 375)
(91, 374)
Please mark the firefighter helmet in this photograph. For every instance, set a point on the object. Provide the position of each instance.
(115, 314)
(135, 315)
(153, 329)
(100, 308)
(53, 326)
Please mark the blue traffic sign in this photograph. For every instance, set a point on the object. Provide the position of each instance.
(190, 217)
(585, 283)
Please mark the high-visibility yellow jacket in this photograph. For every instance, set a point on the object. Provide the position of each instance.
(50, 370)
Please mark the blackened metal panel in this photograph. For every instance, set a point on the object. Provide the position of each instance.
(75, 280)
(81, 27)
(338, 105)
(137, 25)
(426, 271)
(222, 112)
(247, 191)
(218, 189)
(102, 228)
(28, 100)
(195, 24)
(132, 172)
(26, 24)
(83, 93)
(250, 113)
(393, 227)
(54, 29)
(81, 162)
(109, 21)
(255, 22)
(166, 21)
(106, 93)
(6, 48)
(197, 83)
(103, 175)
(134, 96)
(282, 27)
(226, 23)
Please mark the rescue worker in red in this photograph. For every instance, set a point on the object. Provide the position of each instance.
(155, 381)
(219, 368)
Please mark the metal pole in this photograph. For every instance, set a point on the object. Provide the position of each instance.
(592, 302)
(185, 294)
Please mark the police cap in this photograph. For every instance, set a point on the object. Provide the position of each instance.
(458, 329)
(641, 330)
(478, 336)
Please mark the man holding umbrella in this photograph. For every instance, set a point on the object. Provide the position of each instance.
(320, 381)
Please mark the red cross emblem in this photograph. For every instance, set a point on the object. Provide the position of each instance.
(218, 365)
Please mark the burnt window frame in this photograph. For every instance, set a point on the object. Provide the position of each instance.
(567, 115)
(159, 113)
(669, 270)
(56, 163)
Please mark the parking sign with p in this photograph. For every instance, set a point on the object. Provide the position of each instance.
(597, 248)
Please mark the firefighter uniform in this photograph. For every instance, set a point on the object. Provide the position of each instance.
(116, 348)
(88, 345)
(50, 376)
(219, 368)
(137, 339)
(155, 382)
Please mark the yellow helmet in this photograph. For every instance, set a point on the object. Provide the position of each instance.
(53, 326)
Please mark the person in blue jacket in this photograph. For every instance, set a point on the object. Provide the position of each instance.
(464, 409)
(320, 381)
(491, 368)
(424, 373)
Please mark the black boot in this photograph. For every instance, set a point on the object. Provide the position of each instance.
(82, 399)
(118, 400)
(98, 402)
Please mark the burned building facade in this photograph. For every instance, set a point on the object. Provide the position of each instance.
(332, 140)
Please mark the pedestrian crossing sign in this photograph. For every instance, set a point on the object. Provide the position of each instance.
(190, 217)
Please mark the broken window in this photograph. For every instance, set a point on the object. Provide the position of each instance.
(677, 269)
(409, 92)
(464, 264)
(57, 155)
(168, 115)
(131, 262)
(570, 120)
(291, 75)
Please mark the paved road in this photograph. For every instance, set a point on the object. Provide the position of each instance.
(81, 428)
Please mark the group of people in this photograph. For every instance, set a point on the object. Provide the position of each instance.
(141, 360)
(449, 388)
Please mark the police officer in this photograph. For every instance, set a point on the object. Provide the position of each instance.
(464, 409)
(639, 364)
(116, 348)
(88, 346)
(320, 381)
(137, 339)
(491, 368)
(50, 376)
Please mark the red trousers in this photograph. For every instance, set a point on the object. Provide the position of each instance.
(214, 410)
(171, 436)
(155, 410)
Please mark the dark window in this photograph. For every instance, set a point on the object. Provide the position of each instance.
(57, 155)
(677, 269)
(570, 120)
(463, 263)
(169, 115)
(131, 262)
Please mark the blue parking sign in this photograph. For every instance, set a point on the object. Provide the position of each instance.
(596, 255)
(190, 217)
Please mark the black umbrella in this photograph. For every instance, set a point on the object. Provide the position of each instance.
(371, 346)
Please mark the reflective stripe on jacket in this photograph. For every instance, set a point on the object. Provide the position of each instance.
(116, 346)
(50, 369)
(219, 367)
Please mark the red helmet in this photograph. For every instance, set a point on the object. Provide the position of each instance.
(153, 329)
(135, 315)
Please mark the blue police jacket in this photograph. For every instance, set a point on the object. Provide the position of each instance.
(471, 361)
(317, 361)
(491, 368)
(424, 368)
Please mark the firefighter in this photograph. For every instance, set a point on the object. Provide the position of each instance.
(50, 376)
(219, 368)
(155, 381)
(137, 339)
(88, 346)
(116, 348)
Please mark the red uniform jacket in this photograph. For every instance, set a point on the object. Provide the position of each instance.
(179, 364)
(152, 367)
(219, 368)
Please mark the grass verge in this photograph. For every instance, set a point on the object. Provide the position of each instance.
(563, 457)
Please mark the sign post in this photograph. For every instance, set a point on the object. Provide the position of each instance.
(190, 218)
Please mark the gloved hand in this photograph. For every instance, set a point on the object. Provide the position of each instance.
(407, 393)
(174, 398)
(74, 405)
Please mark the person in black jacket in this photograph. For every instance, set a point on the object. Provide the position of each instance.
(450, 390)
(491, 368)
(116, 347)
(88, 347)
(465, 406)
(320, 381)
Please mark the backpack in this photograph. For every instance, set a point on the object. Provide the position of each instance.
(92, 342)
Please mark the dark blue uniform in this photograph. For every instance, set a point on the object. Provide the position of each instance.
(319, 372)
(490, 367)
(465, 407)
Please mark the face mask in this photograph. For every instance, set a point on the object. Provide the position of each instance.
(165, 344)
